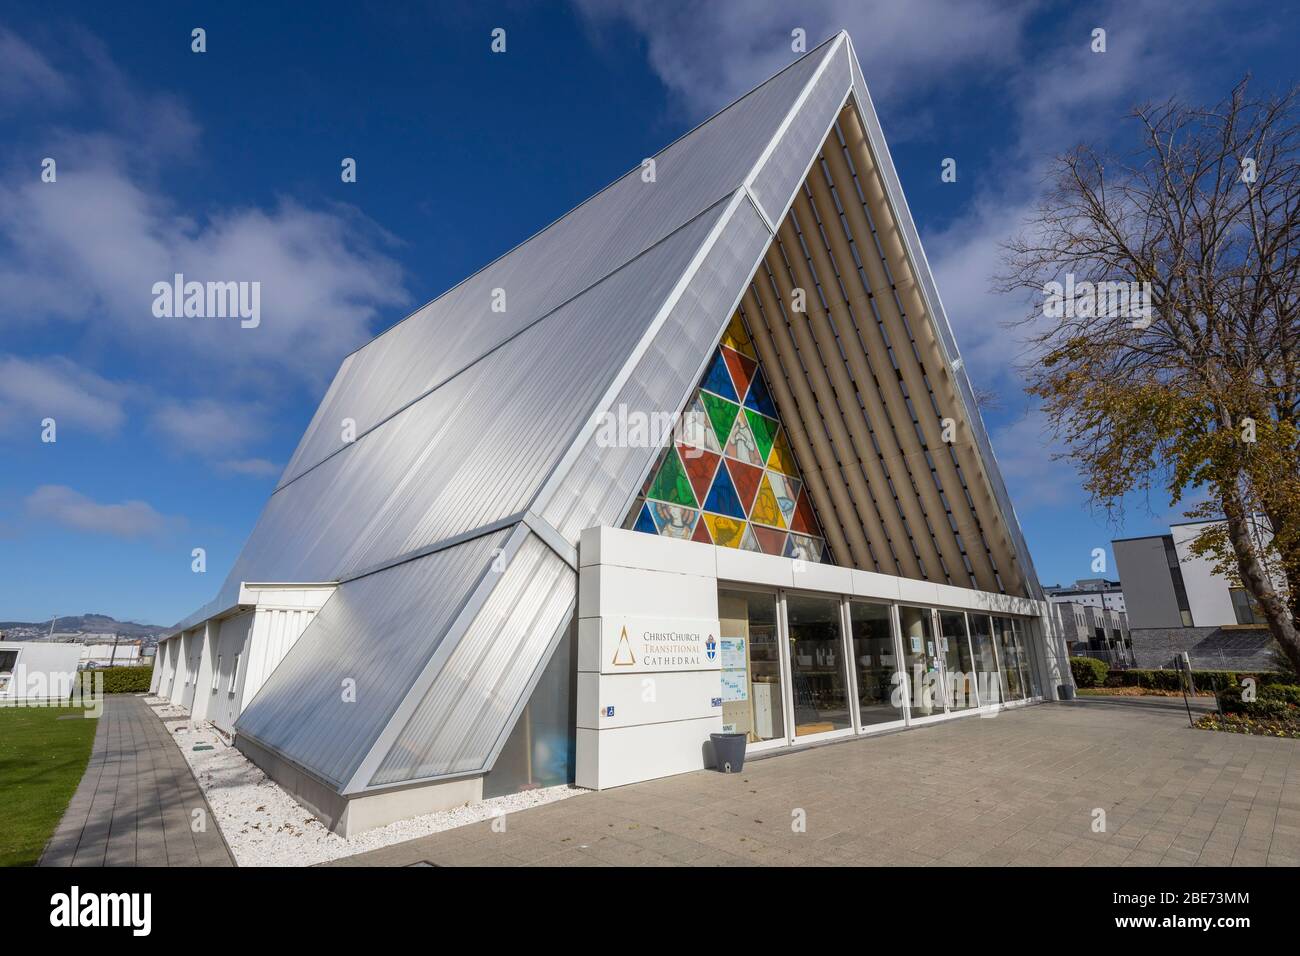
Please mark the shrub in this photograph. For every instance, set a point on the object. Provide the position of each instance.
(1088, 671)
(123, 680)
(1273, 703)
(1286, 693)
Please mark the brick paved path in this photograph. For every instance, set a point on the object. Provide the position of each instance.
(135, 804)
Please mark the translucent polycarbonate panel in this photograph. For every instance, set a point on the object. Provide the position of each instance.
(785, 169)
(478, 448)
(602, 478)
(609, 229)
(467, 710)
(326, 703)
(541, 750)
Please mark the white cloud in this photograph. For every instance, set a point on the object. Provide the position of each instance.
(1034, 478)
(26, 76)
(88, 248)
(210, 428)
(708, 54)
(71, 509)
(252, 467)
(37, 388)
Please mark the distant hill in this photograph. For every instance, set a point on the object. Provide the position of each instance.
(86, 625)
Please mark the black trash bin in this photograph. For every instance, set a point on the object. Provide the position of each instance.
(1066, 691)
(729, 752)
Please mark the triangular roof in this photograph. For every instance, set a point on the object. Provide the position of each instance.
(451, 516)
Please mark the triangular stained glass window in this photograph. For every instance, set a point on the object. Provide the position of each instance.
(718, 379)
(731, 479)
(741, 445)
(671, 483)
(722, 414)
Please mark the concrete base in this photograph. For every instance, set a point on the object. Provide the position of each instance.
(348, 816)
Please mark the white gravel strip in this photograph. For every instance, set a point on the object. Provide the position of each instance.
(264, 826)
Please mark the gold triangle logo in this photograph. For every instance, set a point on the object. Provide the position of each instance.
(623, 656)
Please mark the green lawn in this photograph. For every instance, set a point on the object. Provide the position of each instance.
(42, 759)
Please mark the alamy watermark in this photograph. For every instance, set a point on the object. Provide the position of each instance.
(1100, 300)
(209, 300)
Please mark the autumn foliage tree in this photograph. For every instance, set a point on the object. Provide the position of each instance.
(1165, 338)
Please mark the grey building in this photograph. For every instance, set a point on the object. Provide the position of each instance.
(1177, 603)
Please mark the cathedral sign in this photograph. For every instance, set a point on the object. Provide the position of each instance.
(648, 645)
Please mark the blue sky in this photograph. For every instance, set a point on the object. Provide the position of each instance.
(171, 434)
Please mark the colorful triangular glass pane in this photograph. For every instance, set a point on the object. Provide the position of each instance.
(741, 368)
(722, 498)
(747, 540)
(759, 398)
(764, 430)
(644, 522)
(737, 337)
(769, 539)
(701, 532)
(700, 466)
(697, 427)
(722, 414)
(718, 380)
(786, 491)
(726, 532)
(746, 479)
(673, 520)
(782, 458)
(803, 548)
(803, 521)
(671, 484)
(766, 510)
(741, 445)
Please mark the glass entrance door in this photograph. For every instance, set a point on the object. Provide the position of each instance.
(987, 675)
(875, 662)
(818, 681)
(1009, 658)
(752, 699)
(958, 666)
(921, 653)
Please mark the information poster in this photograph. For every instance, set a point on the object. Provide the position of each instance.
(735, 671)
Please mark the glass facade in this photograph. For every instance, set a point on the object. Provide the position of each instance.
(958, 667)
(1009, 658)
(798, 666)
(880, 698)
(752, 700)
(817, 674)
(987, 674)
(727, 475)
(924, 681)
(1028, 672)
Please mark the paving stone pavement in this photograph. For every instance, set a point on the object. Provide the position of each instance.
(1018, 789)
(135, 803)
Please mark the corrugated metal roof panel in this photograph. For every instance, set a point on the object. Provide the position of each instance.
(598, 486)
(608, 230)
(379, 632)
(468, 708)
(785, 169)
(476, 449)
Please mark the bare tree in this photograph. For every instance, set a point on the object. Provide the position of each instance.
(1166, 337)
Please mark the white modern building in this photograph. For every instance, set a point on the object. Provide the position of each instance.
(699, 456)
(37, 670)
(115, 653)
(1089, 592)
